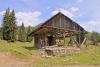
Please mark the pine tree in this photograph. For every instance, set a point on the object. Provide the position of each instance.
(9, 26)
(13, 27)
(0, 33)
(29, 38)
(5, 25)
(22, 33)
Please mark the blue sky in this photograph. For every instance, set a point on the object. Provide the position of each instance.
(33, 12)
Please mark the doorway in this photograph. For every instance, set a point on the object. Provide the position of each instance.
(50, 40)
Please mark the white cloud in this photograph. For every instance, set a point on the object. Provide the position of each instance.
(74, 9)
(65, 12)
(2, 13)
(28, 18)
(92, 25)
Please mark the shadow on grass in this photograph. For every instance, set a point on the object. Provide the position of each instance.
(30, 48)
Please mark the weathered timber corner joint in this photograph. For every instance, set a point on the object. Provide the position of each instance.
(58, 27)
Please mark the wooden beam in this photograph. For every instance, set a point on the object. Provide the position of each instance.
(76, 43)
(64, 38)
(83, 41)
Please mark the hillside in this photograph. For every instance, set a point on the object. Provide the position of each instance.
(24, 55)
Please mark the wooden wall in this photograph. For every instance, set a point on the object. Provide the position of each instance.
(59, 22)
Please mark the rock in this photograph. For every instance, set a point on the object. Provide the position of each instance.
(57, 51)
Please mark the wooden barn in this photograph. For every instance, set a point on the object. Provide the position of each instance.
(56, 28)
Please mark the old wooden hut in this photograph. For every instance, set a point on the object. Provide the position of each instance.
(57, 27)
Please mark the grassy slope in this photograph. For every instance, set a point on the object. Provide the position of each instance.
(18, 48)
(90, 55)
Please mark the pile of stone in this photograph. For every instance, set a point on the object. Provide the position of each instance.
(58, 51)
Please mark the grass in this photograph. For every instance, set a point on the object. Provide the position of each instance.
(18, 48)
(90, 55)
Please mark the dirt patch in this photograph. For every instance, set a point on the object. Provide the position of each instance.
(7, 60)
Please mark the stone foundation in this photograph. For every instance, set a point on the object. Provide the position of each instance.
(57, 51)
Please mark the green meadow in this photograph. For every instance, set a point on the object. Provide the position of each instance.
(88, 55)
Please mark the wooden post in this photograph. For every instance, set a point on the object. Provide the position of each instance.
(79, 38)
(70, 39)
(64, 38)
(76, 43)
(83, 42)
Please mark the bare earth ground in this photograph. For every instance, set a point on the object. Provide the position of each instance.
(6, 60)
